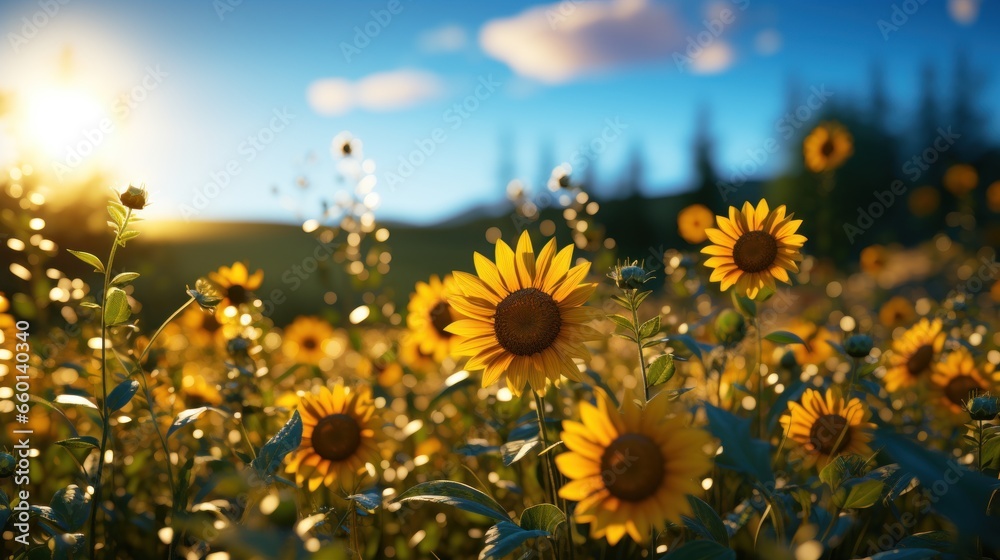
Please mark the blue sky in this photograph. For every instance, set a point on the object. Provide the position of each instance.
(206, 76)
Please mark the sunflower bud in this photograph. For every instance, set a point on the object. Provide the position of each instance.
(858, 346)
(730, 327)
(205, 294)
(629, 277)
(238, 347)
(134, 197)
(7, 465)
(984, 407)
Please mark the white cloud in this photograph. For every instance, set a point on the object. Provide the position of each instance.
(558, 42)
(385, 91)
(447, 38)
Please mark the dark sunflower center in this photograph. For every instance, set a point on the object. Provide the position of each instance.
(336, 437)
(827, 148)
(755, 251)
(237, 294)
(962, 388)
(632, 467)
(527, 322)
(310, 343)
(920, 360)
(441, 317)
(826, 432)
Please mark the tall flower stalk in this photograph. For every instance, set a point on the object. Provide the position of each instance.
(114, 310)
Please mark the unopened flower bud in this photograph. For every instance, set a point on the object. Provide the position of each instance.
(730, 327)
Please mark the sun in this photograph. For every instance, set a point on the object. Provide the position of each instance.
(57, 117)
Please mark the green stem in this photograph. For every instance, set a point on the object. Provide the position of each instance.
(152, 411)
(145, 351)
(761, 429)
(979, 455)
(246, 436)
(854, 377)
(105, 427)
(638, 342)
(552, 490)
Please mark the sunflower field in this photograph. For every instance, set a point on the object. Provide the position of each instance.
(739, 399)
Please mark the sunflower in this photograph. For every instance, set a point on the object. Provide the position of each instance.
(340, 435)
(236, 284)
(993, 196)
(414, 357)
(817, 337)
(958, 380)
(305, 340)
(826, 426)
(526, 315)
(692, 222)
(913, 353)
(898, 310)
(753, 247)
(386, 372)
(923, 201)
(631, 471)
(198, 392)
(873, 259)
(827, 147)
(960, 179)
(429, 314)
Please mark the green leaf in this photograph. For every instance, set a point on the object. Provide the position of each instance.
(69, 546)
(621, 322)
(82, 442)
(936, 540)
(116, 310)
(274, 451)
(124, 278)
(841, 469)
(700, 550)
(706, 522)
(72, 505)
(504, 538)
(746, 305)
(785, 337)
(122, 394)
(90, 305)
(456, 494)
(661, 370)
(543, 517)
(88, 258)
(863, 494)
(650, 327)
(741, 452)
(906, 554)
(514, 451)
(126, 236)
(367, 502)
(117, 213)
(641, 297)
(966, 494)
(190, 415)
(688, 342)
(76, 400)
